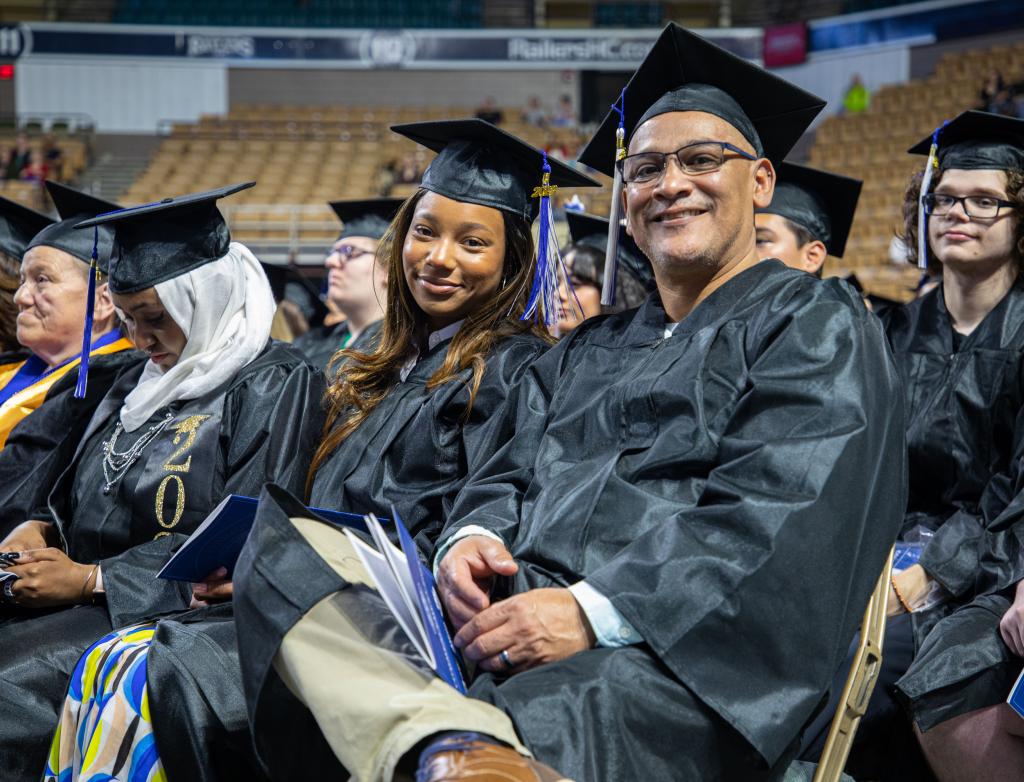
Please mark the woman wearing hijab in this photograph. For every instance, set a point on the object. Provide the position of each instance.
(218, 409)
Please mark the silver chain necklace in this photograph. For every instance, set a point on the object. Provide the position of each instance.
(117, 463)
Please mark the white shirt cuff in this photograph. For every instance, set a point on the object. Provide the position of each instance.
(610, 627)
(465, 532)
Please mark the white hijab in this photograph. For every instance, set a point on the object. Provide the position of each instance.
(225, 309)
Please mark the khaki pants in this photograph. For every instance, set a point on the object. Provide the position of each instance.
(372, 706)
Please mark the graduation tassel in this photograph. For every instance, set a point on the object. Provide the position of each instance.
(611, 255)
(543, 304)
(922, 219)
(90, 306)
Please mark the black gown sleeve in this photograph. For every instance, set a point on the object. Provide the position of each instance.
(270, 427)
(276, 420)
(492, 496)
(811, 479)
(491, 421)
(972, 551)
(43, 444)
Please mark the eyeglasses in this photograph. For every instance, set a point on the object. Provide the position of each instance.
(981, 207)
(349, 253)
(703, 157)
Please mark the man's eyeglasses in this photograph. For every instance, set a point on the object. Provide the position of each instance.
(704, 157)
(981, 207)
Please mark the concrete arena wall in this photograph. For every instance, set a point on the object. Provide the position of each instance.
(396, 88)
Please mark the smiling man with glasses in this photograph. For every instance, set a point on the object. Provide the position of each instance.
(657, 575)
(355, 283)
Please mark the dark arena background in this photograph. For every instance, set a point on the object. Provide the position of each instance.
(144, 99)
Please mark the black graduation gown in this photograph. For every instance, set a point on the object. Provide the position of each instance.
(320, 344)
(966, 446)
(413, 451)
(734, 490)
(233, 440)
(40, 446)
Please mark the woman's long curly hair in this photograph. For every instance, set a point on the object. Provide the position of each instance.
(911, 199)
(366, 378)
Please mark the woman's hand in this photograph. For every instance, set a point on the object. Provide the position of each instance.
(215, 588)
(48, 577)
(27, 536)
(1011, 626)
(913, 584)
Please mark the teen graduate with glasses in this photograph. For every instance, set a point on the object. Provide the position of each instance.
(960, 350)
(687, 520)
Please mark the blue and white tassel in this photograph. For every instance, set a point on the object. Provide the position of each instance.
(544, 305)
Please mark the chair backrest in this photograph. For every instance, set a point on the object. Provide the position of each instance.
(867, 664)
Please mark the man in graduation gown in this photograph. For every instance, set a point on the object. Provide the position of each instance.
(52, 301)
(681, 535)
(809, 218)
(355, 282)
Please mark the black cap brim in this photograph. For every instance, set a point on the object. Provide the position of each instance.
(280, 275)
(73, 206)
(479, 163)
(976, 140)
(778, 110)
(19, 225)
(157, 242)
(591, 229)
(369, 217)
(833, 195)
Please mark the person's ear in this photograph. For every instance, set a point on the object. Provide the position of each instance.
(104, 305)
(814, 254)
(764, 183)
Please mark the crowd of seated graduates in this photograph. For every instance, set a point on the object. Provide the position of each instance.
(656, 474)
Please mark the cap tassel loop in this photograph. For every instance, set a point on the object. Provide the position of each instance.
(926, 183)
(611, 255)
(90, 306)
(543, 304)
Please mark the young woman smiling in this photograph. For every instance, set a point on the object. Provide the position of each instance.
(217, 409)
(410, 420)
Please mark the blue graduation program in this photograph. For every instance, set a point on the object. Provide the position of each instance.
(218, 541)
(409, 591)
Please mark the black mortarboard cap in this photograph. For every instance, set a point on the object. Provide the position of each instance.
(287, 282)
(18, 226)
(368, 217)
(74, 206)
(684, 72)
(978, 140)
(478, 163)
(821, 202)
(160, 241)
(592, 231)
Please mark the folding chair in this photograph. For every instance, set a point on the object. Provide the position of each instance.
(867, 664)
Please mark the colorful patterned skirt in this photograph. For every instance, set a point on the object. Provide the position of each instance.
(105, 733)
